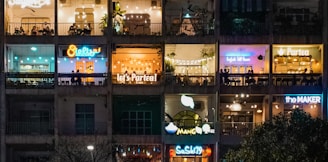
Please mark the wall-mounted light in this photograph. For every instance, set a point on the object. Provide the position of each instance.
(187, 101)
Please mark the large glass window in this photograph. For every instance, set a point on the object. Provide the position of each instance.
(191, 64)
(81, 17)
(29, 17)
(294, 59)
(82, 64)
(136, 122)
(136, 65)
(84, 118)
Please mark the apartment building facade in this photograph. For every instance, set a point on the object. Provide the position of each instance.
(151, 80)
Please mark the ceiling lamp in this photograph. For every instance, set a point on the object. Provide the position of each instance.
(235, 107)
(259, 111)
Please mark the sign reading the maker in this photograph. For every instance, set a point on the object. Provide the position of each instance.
(137, 78)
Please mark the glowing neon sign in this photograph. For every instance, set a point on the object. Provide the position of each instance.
(303, 99)
(171, 128)
(231, 59)
(73, 51)
(188, 150)
(137, 78)
(293, 52)
(29, 3)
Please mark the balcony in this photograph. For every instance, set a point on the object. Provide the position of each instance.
(82, 79)
(29, 128)
(244, 79)
(94, 29)
(138, 29)
(237, 128)
(30, 29)
(17, 80)
(69, 128)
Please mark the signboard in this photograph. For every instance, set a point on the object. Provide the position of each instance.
(293, 52)
(74, 51)
(171, 128)
(136, 77)
(303, 99)
(188, 150)
(232, 59)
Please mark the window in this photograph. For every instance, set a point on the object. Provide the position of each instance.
(136, 122)
(84, 118)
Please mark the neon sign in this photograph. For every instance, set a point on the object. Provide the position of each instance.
(303, 99)
(73, 51)
(137, 78)
(231, 59)
(188, 150)
(171, 128)
(29, 3)
(293, 52)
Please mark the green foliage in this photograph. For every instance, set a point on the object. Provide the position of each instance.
(294, 138)
(103, 21)
(168, 66)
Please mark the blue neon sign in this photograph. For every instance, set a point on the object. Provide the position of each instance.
(188, 150)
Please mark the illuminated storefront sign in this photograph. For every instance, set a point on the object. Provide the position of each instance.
(188, 150)
(173, 129)
(29, 3)
(136, 77)
(231, 59)
(303, 99)
(293, 52)
(73, 51)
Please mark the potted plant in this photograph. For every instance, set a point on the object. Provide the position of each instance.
(103, 23)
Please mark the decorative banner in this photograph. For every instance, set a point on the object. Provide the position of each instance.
(303, 99)
(29, 3)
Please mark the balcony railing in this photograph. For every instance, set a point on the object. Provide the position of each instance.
(29, 80)
(71, 128)
(29, 128)
(82, 79)
(30, 29)
(95, 30)
(190, 80)
(63, 29)
(154, 29)
(190, 29)
(237, 128)
(244, 79)
(297, 79)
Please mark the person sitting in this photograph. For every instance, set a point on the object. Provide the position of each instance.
(87, 29)
(72, 29)
(78, 78)
(21, 31)
(34, 30)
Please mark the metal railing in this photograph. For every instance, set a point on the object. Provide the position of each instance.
(237, 128)
(190, 80)
(244, 79)
(92, 128)
(297, 79)
(190, 29)
(28, 29)
(82, 79)
(29, 80)
(154, 29)
(29, 128)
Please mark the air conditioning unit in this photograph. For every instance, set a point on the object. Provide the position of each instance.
(199, 105)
